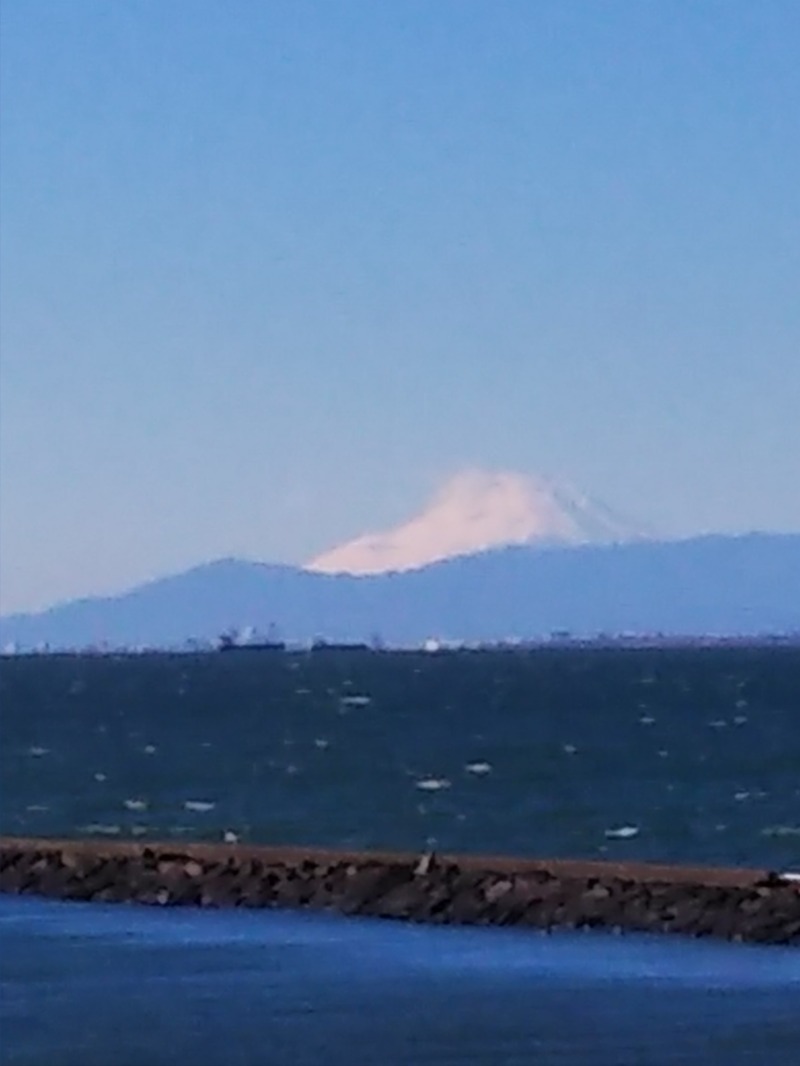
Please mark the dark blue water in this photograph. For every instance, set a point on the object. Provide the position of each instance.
(688, 756)
(91, 985)
(685, 756)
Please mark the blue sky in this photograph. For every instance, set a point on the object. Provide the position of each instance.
(271, 270)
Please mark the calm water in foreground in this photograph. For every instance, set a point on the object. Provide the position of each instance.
(91, 985)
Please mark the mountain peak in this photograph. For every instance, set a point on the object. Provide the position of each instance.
(477, 510)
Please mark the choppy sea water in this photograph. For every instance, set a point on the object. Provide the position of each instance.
(679, 755)
(92, 985)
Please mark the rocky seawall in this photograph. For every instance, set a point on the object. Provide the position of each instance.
(737, 904)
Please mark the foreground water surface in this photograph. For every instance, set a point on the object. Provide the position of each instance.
(684, 755)
(125, 985)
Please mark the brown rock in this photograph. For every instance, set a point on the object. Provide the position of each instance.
(406, 900)
(54, 881)
(598, 891)
(467, 907)
(367, 885)
(495, 891)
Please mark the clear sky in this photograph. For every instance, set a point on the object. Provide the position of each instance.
(271, 269)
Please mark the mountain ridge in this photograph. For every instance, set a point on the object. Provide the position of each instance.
(747, 584)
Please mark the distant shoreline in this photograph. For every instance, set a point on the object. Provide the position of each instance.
(676, 643)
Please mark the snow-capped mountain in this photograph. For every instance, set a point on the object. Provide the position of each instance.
(475, 511)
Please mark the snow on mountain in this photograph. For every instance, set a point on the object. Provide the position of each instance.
(473, 512)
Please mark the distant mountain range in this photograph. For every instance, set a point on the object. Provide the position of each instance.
(707, 585)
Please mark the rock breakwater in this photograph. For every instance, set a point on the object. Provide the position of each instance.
(737, 904)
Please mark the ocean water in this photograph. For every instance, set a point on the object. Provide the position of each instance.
(124, 985)
(669, 755)
(676, 755)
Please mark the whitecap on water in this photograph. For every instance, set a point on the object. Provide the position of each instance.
(647, 719)
(99, 776)
(37, 807)
(199, 806)
(718, 723)
(622, 832)
(781, 831)
(433, 784)
(355, 701)
(229, 837)
(740, 719)
(569, 749)
(37, 752)
(136, 804)
(321, 743)
(100, 829)
(741, 796)
(480, 769)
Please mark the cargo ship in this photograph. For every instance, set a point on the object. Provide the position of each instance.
(324, 645)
